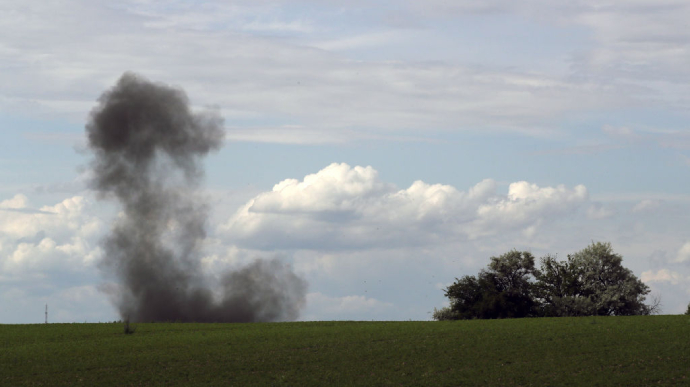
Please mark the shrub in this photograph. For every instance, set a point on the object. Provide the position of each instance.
(445, 314)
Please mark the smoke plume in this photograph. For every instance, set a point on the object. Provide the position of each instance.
(147, 145)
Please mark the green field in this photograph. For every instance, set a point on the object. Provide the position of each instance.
(584, 351)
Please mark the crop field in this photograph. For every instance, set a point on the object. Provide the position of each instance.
(585, 351)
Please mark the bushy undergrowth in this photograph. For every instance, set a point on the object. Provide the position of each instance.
(444, 314)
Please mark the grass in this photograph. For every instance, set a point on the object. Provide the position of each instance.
(585, 351)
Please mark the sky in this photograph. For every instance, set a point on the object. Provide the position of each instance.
(381, 148)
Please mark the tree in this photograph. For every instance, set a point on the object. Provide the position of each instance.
(511, 275)
(656, 305)
(609, 288)
(504, 290)
(687, 312)
(590, 282)
(465, 296)
(559, 289)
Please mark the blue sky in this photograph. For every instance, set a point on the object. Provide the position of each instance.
(531, 125)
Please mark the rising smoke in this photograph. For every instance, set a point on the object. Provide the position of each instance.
(147, 145)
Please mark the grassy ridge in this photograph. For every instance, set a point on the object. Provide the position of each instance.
(560, 352)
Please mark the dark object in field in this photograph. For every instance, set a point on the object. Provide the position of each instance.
(147, 144)
(129, 329)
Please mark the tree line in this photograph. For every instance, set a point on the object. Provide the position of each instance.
(591, 282)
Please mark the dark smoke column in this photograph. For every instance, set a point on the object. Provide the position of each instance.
(147, 145)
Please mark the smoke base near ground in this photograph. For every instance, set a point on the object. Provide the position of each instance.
(147, 145)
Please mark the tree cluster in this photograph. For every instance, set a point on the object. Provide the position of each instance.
(591, 282)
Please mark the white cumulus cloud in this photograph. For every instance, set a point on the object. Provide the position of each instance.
(58, 236)
(344, 207)
(48, 255)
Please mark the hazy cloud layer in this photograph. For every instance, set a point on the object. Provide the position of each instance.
(268, 66)
(324, 307)
(664, 275)
(683, 255)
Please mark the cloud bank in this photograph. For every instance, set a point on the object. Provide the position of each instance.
(50, 238)
(344, 207)
(276, 66)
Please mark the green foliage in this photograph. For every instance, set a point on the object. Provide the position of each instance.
(687, 312)
(618, 351)
(445, 314)
(558, 287)
(511, 276)
(592, 282)
(610, 288)
(504, 290)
